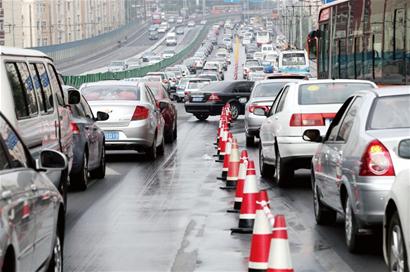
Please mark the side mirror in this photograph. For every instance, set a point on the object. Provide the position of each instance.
(51, 159)
(74, 97)
(404, 149)
(259, 112)
(312, 135)
(102, 116)
(162, 105)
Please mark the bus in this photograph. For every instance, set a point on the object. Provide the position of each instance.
(363, 39)
(156, 18)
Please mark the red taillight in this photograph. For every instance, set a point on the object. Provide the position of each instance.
(309, 119)
(376, 161)
(140, 113)
(74, 128)
(187, 93)
(252, 108)
(165, 81)
(214, 98)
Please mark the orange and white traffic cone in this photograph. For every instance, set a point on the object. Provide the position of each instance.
(228, 148)
(222, 143)
(243, 165)
(233, 167)
(279, 253)
(261, 237)
(248, 207)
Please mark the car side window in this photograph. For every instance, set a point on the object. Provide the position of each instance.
(275, 103)
(347, 123)
(55, 85)
(13, 146)
(333, 130)
(281, 102)
(43, 88)
(4, 162)
(25, 101)
(149, 95)
(77, 110)
(86, 108)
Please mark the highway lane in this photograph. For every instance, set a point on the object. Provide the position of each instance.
(170, 215)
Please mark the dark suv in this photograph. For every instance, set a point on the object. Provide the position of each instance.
(210, 99)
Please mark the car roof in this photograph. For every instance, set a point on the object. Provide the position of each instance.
(388, 91)
(111, 83)
(13, 51)
(267, 81)
(321, 81)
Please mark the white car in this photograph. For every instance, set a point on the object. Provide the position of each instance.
(396, 230)
(258, 56)
(162, 29)
(171, 39)
(267, 48)
(300, 106)
(246, 41)
(191, 23)
(168, 54)
(117, 66)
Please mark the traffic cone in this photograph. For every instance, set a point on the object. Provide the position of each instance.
(279, 253)
(261, 237)
(248, 207)
(243, 164)
(233, 167)
(228, 148)
(222, 144)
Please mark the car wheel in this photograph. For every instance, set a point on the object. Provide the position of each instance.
(151, 151)
(396, 249)
(266, 170)
(99, 173)
(175, 132)
(250, 140)
(283, 173)
(351, 228)
(323, 215)
(234, 110)
(201, 116)
(80, 180)
(161, 148)
(56, 262)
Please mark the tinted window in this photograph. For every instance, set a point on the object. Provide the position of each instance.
(289, 59)
(86, 108)
(55, 85)
(267, 89)
(348, 121)
(335, 125)
(118, 92)
(77, 110)
(31, 97)
(42, 86)
(328, 93)
(390, 112)
(281, 102)
(4, 163)
(197, 84)
(13, 145)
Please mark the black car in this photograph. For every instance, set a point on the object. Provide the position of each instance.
(153, 35)
(210, 99)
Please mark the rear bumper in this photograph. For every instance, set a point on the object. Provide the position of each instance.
(211, 109)
(253, 124)
(296, 147)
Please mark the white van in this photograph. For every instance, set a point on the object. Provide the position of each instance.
(262, 37)
(32, 99)
(293, 61)
(267, 49)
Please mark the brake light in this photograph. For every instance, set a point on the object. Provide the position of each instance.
(214, 98)
(74, 128)
(140, 113)
(309, 119)
(376, 161)
(252, 108)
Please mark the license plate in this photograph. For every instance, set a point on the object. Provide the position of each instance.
(196, 99)
(328, 121)
(111, 135)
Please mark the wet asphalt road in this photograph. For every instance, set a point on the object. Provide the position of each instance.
(170, 215)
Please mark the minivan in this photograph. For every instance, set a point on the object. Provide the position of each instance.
(32, 99)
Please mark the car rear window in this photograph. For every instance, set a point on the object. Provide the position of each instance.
(267, 89)
(390, 112)
(289, 59)
(96, 93)
(329, 93)
(197, 84)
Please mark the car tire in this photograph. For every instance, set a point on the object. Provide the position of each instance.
(352, 238)
(267, 171)
(175, 132)
(201, 116)
(99, 172)
(161, 148)
(56, 261)
(323, 215)
(397, 259)
(282, 173)
(81, 178)
(151, 152)
(250, 140)
(234, 107)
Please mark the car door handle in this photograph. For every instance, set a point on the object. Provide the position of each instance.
(33, 187)
(6, 194)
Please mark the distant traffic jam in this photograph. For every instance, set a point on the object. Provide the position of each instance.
(323, 110)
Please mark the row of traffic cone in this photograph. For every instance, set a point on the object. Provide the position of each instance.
(269, 245)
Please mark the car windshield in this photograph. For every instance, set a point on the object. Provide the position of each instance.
(117, 92)
(197, 84)
(267, 89)
(329, 93)
(397, 109)
(290, 59)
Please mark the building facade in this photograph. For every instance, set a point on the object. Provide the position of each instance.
(1, 23)
(32, 23)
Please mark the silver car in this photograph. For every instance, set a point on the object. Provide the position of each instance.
(32, 209)
(262, 96)
(135, 121)
(355, 166)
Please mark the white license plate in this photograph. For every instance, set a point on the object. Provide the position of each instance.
(111, 135)
(196, 99)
